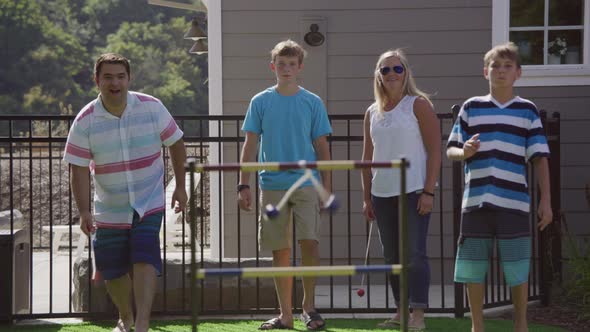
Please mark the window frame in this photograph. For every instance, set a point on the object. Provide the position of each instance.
(544, 75)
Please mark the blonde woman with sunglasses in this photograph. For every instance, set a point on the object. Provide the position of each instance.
(402, 122)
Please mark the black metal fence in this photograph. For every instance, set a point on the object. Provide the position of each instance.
(34, 181)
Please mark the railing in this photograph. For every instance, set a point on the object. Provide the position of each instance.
(35, 181)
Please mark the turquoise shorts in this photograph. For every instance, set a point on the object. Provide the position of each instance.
(116, 250)
(479, 229)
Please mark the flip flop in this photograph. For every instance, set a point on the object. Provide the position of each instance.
(120, 327)
(274, 324)
(313, 316)
(390, 323)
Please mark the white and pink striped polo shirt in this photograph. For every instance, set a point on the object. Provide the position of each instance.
(124, 155)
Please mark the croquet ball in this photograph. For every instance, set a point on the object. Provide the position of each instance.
(334, 205)
(360, 292)
(271, 211)
(97, 278)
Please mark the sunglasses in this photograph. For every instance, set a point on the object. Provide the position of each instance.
(385, 70)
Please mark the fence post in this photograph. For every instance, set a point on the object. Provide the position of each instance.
(457, 199)
(555, 169)
(550, 238)
(6, 280)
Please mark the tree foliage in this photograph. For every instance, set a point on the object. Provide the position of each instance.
(49, 48)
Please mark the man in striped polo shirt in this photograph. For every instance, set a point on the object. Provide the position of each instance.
(496, 135)
(118, 138)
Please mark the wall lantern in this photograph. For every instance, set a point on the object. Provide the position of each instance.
(199, 47)
(195, 32)
(314, 37)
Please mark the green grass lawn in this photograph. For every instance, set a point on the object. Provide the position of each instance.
(336, 325)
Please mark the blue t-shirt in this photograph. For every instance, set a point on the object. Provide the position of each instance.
(511, 134)
(287, 127)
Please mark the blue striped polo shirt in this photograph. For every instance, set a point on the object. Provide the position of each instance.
(511, 134)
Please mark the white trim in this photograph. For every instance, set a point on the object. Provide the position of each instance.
(544, 75)
(199, 7)
(500, 21)
(213, 10)
(215, 108)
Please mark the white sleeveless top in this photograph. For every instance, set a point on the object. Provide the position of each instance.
(396, 134)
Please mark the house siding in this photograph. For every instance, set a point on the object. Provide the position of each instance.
(445, 42)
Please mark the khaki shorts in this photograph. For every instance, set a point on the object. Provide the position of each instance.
(303, 206)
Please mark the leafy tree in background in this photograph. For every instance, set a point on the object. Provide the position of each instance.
(103, 17)
(161, 64)
(49, 47)
(39, 60)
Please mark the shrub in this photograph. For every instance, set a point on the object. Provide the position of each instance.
(577, 283)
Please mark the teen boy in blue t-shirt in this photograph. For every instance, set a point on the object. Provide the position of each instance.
(291, 124)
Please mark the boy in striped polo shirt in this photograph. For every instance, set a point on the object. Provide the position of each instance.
(496, 135)
(118, 138)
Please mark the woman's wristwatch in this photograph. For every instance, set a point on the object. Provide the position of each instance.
(426, 193)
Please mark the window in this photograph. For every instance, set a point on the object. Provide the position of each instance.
(552, 36)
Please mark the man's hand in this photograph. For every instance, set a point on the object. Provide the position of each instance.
(245, 199)
(471, 146)
(179, 199)
(87, 223)
(545, 214)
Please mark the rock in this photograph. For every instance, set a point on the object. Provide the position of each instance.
(17, 219)
(101, 303)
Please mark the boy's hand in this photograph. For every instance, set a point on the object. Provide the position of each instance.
(245, 199)
(368, 211)
(545, 214)
(87, 223)
(471, 146)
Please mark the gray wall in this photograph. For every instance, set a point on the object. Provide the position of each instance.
(445, 42)
(574, 105)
